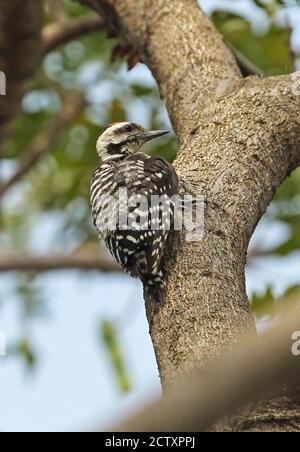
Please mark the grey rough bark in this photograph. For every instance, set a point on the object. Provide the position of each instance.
(20, 52)
(239, 139)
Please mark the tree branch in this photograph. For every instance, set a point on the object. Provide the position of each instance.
(57, 10)
(194, 403)
(174, 48)
(20, 52)
(246, 67)
(59, 33)
(22, 46)
(81, 260)
(239, 139)
(45, 140)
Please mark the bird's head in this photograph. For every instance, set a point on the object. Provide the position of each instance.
(122, 139)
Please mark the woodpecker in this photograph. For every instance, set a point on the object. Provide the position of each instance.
(137, 240)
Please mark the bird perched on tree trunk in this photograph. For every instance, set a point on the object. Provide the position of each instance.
(132, 198)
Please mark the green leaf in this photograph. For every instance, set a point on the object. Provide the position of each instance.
(292, 291)
(259, 49)
(267, 304)
(140, 90)
(109, 337)
(264, 302)
(24, 349)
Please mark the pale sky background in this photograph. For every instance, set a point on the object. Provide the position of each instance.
(73, 387)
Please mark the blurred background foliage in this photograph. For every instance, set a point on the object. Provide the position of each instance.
(56, 191)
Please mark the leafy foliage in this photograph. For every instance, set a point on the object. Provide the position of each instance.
(24, 350)
(109, 337)
(258, 47)
(267, 303)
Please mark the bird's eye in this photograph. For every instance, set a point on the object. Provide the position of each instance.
(127, 128)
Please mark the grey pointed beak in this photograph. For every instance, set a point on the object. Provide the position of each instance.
(144, 137)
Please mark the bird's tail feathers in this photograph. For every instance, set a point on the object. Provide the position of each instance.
(155, 289)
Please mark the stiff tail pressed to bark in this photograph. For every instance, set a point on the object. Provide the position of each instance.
(154, 289)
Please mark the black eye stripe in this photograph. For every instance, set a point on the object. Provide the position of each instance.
(127, 128)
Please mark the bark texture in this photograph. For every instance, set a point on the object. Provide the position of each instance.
(20, 51)
(239, 139)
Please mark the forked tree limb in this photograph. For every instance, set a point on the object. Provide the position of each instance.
(176, 55)
(61, 32)
(23, 32)
(239, 139)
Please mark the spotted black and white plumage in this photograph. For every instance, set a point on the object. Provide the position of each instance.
(138, 245)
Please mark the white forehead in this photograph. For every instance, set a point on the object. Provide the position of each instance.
(113, 128)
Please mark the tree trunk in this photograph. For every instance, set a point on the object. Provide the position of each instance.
(239, 139)
(20, 52)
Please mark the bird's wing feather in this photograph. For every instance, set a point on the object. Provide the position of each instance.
(163, 173)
